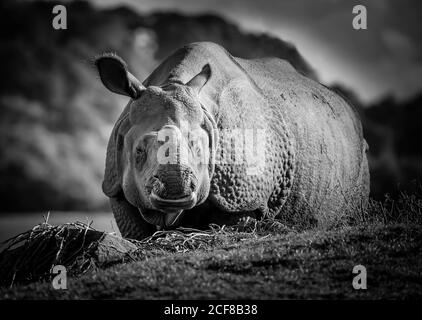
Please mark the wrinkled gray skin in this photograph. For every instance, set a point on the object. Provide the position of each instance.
(315, 168)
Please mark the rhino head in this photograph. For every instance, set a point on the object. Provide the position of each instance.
(160, 155)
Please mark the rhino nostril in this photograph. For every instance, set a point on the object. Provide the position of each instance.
(154, 184)
(158, 185)
(193, 184)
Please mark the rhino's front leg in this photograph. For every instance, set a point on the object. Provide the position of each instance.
(129, 220)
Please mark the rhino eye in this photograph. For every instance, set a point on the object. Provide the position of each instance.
(140, 155)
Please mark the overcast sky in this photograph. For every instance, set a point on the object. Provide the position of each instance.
(387, 57)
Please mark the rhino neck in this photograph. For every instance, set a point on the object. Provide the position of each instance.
(249, 123)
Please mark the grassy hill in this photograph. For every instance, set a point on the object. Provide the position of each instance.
(308, 265)
(257, 260)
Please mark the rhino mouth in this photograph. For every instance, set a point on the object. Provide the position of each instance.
(173, 205)
(169, 201)
(170, 209)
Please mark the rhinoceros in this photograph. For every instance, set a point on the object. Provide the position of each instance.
(212, 138)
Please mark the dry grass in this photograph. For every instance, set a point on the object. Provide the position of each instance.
(406, 208)
(30, 255)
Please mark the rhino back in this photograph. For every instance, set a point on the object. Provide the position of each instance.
(331, 171)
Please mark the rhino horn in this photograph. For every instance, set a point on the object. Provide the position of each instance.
(115, 76)
(198, 81)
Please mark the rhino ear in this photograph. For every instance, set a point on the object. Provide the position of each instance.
(115, 76)
(198, 81)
